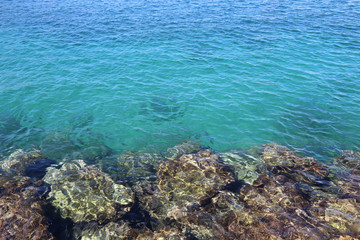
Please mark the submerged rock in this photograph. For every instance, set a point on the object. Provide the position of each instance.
(165, 234)
(84, 193)
(21, 212)
(341, 214)
(135, 166)
(294, 197)
(185, 147)
(349, 159)
(193, 178)
(19, 160)
(275, 155)
(111, 231)
(244, 165)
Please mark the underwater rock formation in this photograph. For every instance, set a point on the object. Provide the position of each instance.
(293, 197)
(84, 193)
(186, 147)
(193, 178)
(201, 195)
(245, 166)
(350, 159)
(19, 160)
(21, 212)
(110, 231)
(135, 166)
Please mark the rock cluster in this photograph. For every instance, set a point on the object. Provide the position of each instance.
(21, 211)
(19, 160)
(195, 193)
(84, 193)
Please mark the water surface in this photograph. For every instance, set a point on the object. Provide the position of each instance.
(145, 75)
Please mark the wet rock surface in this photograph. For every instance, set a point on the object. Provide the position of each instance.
(84, 193)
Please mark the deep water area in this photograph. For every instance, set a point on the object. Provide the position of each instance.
(146, 75)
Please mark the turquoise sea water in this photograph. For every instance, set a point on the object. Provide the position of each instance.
(145, 75)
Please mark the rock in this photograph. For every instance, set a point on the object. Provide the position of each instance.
(350, 159)
(275, 155)
(245, 166)
(21, 211)
(19, 160)
(111, 231)
(84, 193)
(341, 214)
(134, 166)
(185, 147)
(193, 178)
(165, 234)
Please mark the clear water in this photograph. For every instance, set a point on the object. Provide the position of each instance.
(145, 75)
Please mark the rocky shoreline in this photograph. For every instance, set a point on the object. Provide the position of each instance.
(191, 192)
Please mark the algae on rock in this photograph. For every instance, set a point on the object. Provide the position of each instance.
(84, 193)
(21, 210)
(19, 160)
(245, 166)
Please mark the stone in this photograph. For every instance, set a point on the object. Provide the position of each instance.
(349, 158)
(19, 160)
(244, 165)
(21, 210)
(193, 178)
(84, 193)
(185, 147)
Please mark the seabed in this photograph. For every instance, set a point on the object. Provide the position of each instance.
(187, 192)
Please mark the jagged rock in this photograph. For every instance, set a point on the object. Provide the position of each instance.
(19, 160)
(185, 184)
(84, 193)
(21, 212)
(244, 165)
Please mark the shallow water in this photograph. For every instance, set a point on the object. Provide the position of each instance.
(145, 75)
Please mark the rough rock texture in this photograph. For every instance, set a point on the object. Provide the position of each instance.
(84, 193)
(21, 213)
(185, 184)
(19, 160)
(111, 231)
(350, 159)
(274, 155)
(294, 197)
(341, 214)
(165, 234)
(185, 147)
(245, 166)
(134, 166)
(193, 178)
